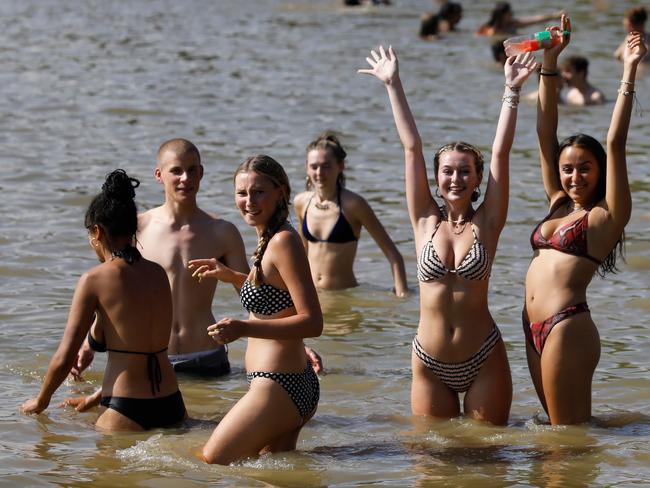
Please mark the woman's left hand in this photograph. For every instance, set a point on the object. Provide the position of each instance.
(635, 47)
(518, 68)
(226, 330)
(32, 406)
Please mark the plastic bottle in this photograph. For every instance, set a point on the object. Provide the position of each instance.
(539, 40)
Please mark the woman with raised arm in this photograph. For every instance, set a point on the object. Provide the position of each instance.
(590, 204)
(458, 347)
(130, 299)
(331, 218)
(283, 309)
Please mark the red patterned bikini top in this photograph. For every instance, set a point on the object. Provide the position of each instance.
(570, 238)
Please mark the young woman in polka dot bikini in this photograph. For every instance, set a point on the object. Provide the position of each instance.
(281, 298)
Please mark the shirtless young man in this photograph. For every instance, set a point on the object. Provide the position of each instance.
(171, 235)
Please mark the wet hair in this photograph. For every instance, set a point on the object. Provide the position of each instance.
(451, 12)
(587, 142)
(271, 169)
(328, 140)
(636, 15)
(578, 63)
(180, 147)
(114, 209)
(429, 25)
(500, 10)
(461, 147)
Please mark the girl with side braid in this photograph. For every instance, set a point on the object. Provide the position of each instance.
(283, 305)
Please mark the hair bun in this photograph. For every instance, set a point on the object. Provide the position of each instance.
(119, 185)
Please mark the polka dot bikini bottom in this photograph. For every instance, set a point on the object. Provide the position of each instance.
(303, 388)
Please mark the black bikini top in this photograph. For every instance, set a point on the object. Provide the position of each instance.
(341, 232)
(264, 299)
(153, 364)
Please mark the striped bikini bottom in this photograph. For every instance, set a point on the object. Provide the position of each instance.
(459, 376)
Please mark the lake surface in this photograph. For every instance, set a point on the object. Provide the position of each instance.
(92, 86)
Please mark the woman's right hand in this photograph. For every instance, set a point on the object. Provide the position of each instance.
(210, 268)
(565, 26)
(384, 66)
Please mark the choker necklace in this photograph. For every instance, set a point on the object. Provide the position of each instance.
(573, 208)
(457, 226)
(322, 206)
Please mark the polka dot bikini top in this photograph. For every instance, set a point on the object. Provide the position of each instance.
(264, 299)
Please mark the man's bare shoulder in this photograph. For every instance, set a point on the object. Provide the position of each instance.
(145, 218)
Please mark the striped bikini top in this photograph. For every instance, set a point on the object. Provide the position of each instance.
(264, 299)
(476, 264)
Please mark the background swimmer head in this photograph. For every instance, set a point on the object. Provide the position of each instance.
(574, 69)
(501, 15)
(462, 147)
(325, 154)
(450, 15)
(272, 172)
(635, 19)
(112, 216)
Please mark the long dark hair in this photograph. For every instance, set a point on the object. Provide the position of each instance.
(114, 209)
(328, 140)
(587, 142)
(270, 168)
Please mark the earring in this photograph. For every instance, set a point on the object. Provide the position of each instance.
(93, 242)
(438, 192)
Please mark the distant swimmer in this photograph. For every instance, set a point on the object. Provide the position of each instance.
(458, 347)
(283, 309)
(502, 21)
(634, 21)
(578, 91)
(130, 298)
(331, 218)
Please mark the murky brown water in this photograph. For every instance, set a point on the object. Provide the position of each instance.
(90, 86)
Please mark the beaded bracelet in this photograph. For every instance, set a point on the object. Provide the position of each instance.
(512, 88)
(510, 100)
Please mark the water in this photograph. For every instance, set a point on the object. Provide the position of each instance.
(91, 86)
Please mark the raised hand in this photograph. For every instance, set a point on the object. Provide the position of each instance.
(635, 48)
(384, 65)
(518, 68)
(565, 26)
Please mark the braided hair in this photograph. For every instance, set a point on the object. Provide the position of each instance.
(328, 140)
(114, 208)
(271, 169)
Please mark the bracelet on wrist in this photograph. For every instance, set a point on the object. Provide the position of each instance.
(624, 82)
(549, 73)
(510, 100)
(512, 88)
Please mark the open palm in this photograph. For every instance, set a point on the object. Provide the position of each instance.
(384, 65)
(517, 69)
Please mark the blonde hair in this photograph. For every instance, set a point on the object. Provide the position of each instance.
(328, 140)
(270, 168)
